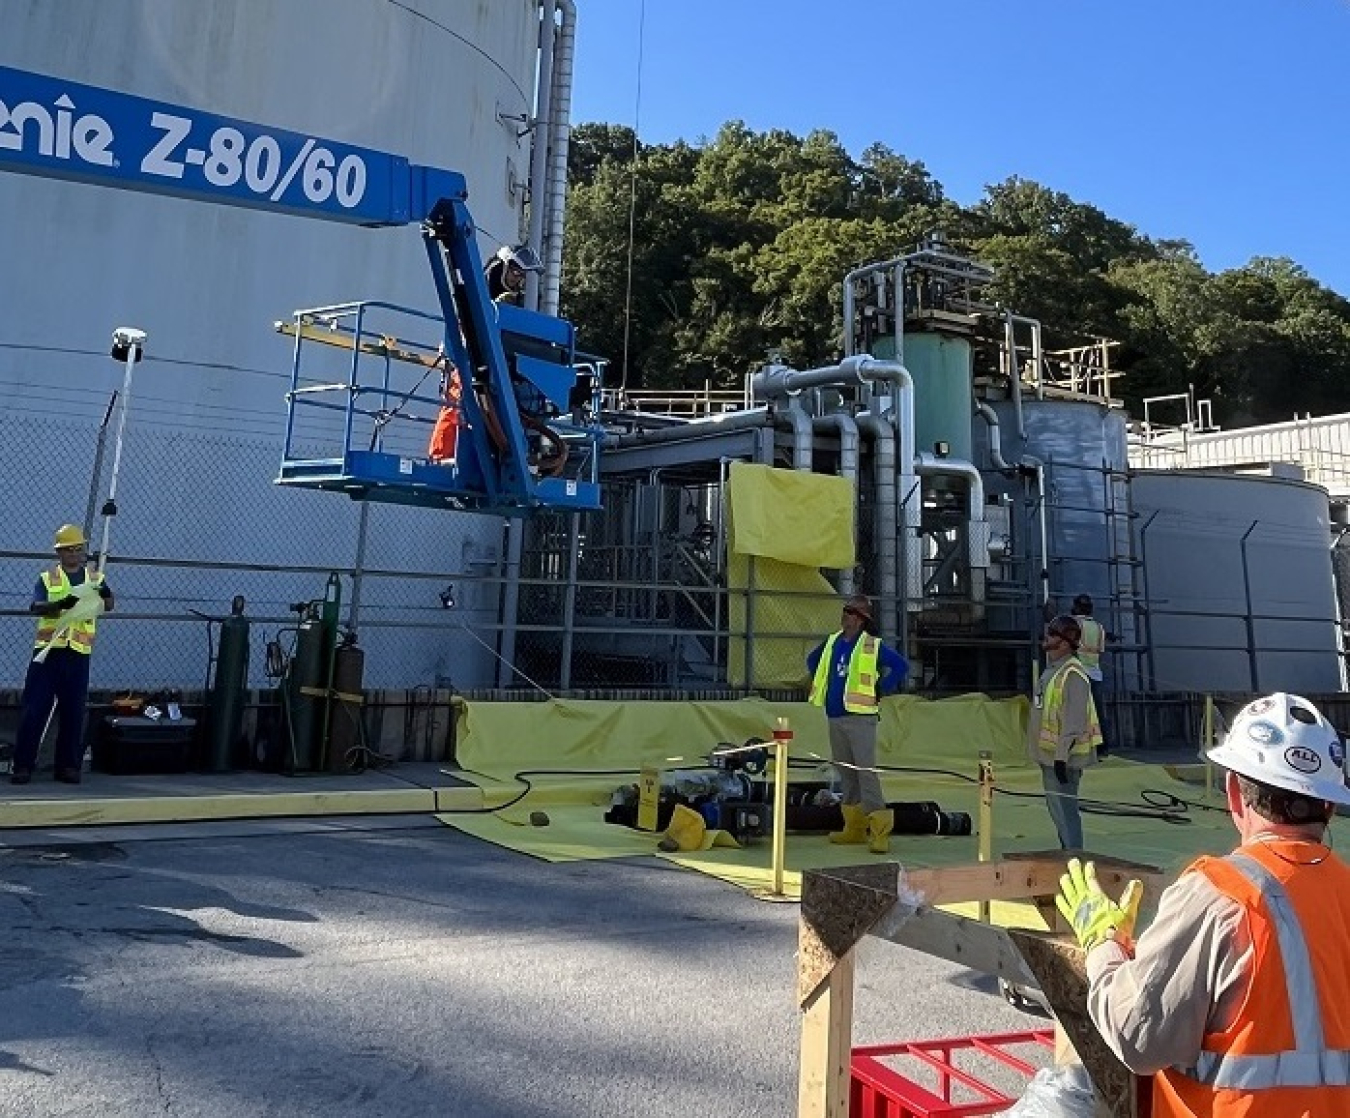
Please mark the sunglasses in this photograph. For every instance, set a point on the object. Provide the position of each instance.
(849, 611)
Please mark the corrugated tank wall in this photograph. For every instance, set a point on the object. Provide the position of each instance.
(1238, 573)
(423, 78)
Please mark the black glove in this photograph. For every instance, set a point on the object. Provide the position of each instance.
(1103, 750)
(103, 591)
(1062, 771)
(67, 602)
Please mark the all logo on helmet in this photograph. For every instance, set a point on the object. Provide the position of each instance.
(1302, 759)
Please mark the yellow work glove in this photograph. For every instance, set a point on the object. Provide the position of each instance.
(1093, 915)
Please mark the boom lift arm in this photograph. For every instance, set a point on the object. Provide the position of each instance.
(517, 366)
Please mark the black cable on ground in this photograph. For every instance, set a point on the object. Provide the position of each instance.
(523, 777)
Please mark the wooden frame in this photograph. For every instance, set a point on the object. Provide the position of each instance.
(840, 906)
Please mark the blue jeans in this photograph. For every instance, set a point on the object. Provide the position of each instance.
(63, 679)
(1062, 800)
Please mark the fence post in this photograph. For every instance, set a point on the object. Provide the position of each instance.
(358, 567)
(1251, 621)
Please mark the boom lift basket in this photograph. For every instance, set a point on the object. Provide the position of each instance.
(371, 382)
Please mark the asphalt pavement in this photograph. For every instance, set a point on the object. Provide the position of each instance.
(395, 967)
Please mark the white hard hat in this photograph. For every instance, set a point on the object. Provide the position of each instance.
(522, 256)
(1282, 740)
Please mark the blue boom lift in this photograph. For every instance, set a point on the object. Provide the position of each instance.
(527, 436)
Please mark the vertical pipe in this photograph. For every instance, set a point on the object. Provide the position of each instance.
(560, 138)
(1146, 638)
(1251, 621)
(358, 566)
(539, 142)
(570, 600)
(506, 634)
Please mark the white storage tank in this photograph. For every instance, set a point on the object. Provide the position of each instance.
(437, 81)
(1239, 584)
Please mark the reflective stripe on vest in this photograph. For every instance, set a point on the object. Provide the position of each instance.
(1092, 643)
(80, 636)
(1052, 713)
(860, 687)
(1310, 1064)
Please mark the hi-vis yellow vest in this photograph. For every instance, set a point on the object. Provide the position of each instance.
(860, 688)
(80, 636)
(1052, 714)
(1093, 642)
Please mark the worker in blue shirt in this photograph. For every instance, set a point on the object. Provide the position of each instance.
(850, 671)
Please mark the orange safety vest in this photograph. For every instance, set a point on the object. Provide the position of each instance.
(80, 636)
(860, 688)
(1287, 1055)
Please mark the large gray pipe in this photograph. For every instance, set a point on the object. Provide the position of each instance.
(977, 528)
(881, 429)
(869, 371)
(694, 429)
(802, 444)
(990, 417)
(543, 108)
(560, 139)
(1014, 372)
(848, 467)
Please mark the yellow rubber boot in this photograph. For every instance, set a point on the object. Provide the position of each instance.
(879, 827)
(855, 826)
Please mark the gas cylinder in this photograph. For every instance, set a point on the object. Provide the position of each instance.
(227, 749)
(305, 673)
(344, 730)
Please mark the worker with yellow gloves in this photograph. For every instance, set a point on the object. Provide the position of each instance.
(58, 674)
(1236, 999)
(850, 671)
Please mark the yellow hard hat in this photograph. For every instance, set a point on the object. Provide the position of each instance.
(69, 535)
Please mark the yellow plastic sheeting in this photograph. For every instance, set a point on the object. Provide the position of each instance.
(795, 609)
(791, 515)
(501, 738)
(498, 740)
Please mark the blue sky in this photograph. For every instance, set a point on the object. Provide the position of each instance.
(1226, 124)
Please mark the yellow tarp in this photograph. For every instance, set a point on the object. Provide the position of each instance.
(941, 741)
(795, 608)
(793, 516)
(784, 525)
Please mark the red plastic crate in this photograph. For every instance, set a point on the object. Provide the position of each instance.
(877, 1090)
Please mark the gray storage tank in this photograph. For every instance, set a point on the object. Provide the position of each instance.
(443, 82)
(1238, 575)
(1082, 446)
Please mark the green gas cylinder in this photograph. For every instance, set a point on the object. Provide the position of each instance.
(228, 749)
(304, 687)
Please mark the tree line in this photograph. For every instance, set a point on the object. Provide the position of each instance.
(739, 245)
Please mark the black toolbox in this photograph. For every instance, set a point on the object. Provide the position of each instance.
(133, 744)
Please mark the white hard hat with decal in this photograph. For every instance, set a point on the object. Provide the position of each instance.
(1283, 740)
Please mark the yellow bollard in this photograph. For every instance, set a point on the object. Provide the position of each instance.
(782, 739)
(986, 844)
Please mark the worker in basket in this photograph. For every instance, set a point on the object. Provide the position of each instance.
(506, 273)
(1236, 999)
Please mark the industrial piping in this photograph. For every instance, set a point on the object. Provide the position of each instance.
(848, 466)
(560, 138)
(548, 26)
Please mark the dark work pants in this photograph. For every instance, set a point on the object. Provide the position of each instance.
(63, 678)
